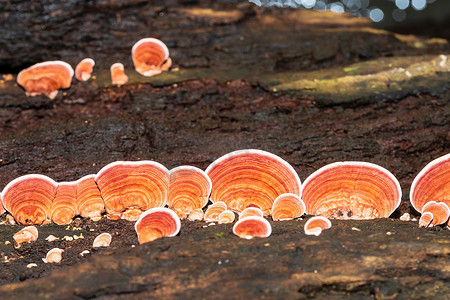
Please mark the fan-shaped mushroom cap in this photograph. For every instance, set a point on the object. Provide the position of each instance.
(287, 206)
(432, 183)
(29, 198)
(2, 209)
(64, 206)
(118, 75)
(53, 256)
(425, 219)
(213, 211)
(89, 199)
(26, 235)
(189, 189)
(102, 240)
(46, 78)
(129, 188)
(316, 225)
(196, 215)
(351, 190)
(225, 217)
(156, 223)
(84, 69)
(440, 212)
(251, 177)
(251, 211)
(253, 226)
(150, 57)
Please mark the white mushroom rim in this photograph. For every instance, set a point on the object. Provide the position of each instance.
(131, 163)
(88, 60)
(165, 210)
(151, 40)
(360, 164)
(421, 174)
(258, 152)
(118, 66)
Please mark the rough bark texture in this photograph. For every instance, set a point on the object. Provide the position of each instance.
(313, 88)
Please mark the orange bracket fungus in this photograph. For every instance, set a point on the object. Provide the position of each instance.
(89, 200)
(102, 240)
(129, 188)
(253, 226)
(53, 256)
(84, 69)
(247, 178)
(287, 206)
(225, 217)
(196, 215)
(156, 223)
(64, 206)
(316, 225)
(26, 235)
(46, 78)
(2, 209)
(432, 184)
(29, 199)
(214, 210)
(439, 211)
(189, 189)
(251, 211)
(351, 190)
(118, 75)
(150, 57)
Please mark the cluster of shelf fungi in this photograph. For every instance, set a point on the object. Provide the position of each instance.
(252, 183)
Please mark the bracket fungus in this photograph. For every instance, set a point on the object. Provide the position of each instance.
(251, 211)
(316, 225)
(225, 217)
(89, 200)
(129, 188)
(26, 235)
(46, 78)
(2, 209)
(84, 69)
(251, 177)
(214, 210)
(64, 206)
(102, 240)
(29, 199)
(196, 215)
(439, 211)
(287, 206)
(150, 57)
(156, 223)
(432, 184)
(189, 189)
(118, 75)
(53, 256)
(253, 226)
(351, 190)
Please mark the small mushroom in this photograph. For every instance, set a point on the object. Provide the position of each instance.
(250, 177)
(196, 215)
(439, 210)
(316, 225)
(213, 211)
(129, 188)
(225, 217)
(46, 78)
(29, 199)
(64, 206)
(189, 189)
(253, 226)
(150, 57)
(287, 207)
(251, 211)
(26, 235)
(118, 75)
(53, 256)
(156, 223)
(425, 219)
(102, 240)
(89, 200)
(84, 69)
